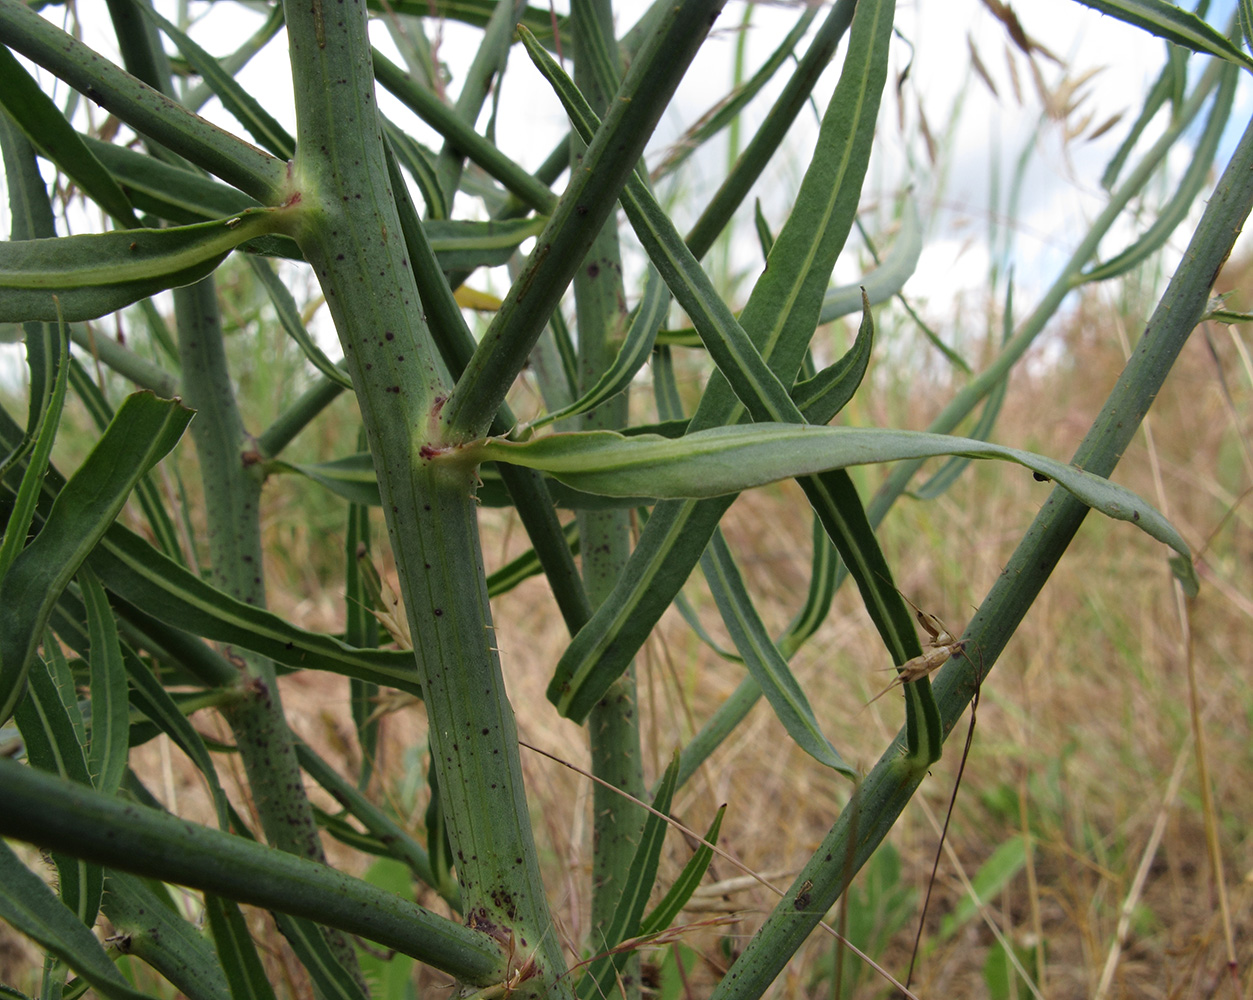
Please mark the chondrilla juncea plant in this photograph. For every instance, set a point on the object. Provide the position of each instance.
(111, 636)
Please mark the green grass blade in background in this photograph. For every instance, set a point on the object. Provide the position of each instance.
(154, 933)
(31, 907)
(676, 897)
(110, 709)
(1189, 186)
(1174, 24)
(99, 273)
(361, 629)
(45, 126)
(143, 431)
(763, 659)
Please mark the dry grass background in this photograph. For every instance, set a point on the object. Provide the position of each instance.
(1083, 736)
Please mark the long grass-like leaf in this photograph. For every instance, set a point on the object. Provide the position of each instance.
(151, 698)
(763, 659)
(289, 319)
(600, 977)
(141, 575)
(51, 725)
(28, 905)
(671, 905)
(236, 951)
(331, 980)
(1173, 23)
(636, 347)
(144, 429)
(54, 362)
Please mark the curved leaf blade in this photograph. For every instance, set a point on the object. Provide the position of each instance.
(1173, 23)
(144, 429)
(29, 905)
(763, 659)
(99, 273)
(725, 460)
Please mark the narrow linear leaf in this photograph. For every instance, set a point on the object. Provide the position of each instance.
(671, 905)
(236, 951)
(45, 126)
(635, 350)
(289, 318)
(248, 111)
(330, 979)
(827, 393)
(143, 431)
(51, 725)
(724, 460)
(763, 659)
(30, 906)
(151, 698)
(44, 434)
(600, 978)
(1173, 23)
(1189, 186)
(99, 273)
(110, 708)
(139, 574)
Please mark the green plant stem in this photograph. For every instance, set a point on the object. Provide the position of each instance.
(613, 724)
(144, 373)
(889, 786)
(48, 811)
(232, 501)
(352, 235)
(297, 417)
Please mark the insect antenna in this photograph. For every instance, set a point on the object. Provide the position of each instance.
(935, 866)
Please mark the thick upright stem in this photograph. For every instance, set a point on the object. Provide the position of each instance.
(352, 236)
(232, 494)
(613, 725)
